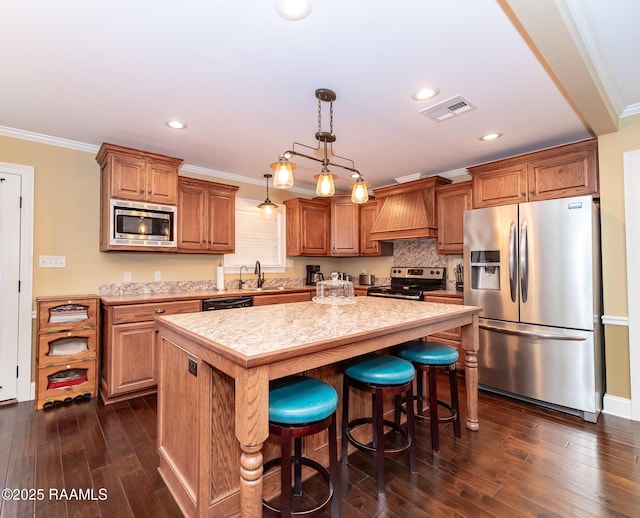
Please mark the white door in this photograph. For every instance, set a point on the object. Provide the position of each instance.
(10, 188)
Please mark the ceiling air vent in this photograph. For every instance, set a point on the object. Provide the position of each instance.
(448, 109)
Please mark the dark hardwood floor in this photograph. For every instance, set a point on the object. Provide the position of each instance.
(524, 461)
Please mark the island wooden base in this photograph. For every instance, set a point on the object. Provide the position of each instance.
(213, 402)
(199, 454)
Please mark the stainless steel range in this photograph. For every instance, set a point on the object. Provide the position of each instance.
(411, 282)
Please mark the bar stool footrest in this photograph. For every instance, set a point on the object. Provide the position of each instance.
(319, 468)
(441, 419)
(365, 447)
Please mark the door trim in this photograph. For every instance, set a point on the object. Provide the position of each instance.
(25, 340)
(632, 215)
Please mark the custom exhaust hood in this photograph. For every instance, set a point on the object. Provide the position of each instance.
(408, 210)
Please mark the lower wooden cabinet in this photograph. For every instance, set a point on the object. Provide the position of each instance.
(453, 336)
(281, 298)
(67, 336)
(129, 355)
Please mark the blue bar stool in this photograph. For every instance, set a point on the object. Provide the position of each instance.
(298, 407)
(379, 375)
(431, 357)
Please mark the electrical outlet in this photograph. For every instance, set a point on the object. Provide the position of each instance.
(127, 276)
(157, 275)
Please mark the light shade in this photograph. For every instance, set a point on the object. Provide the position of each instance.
(283, 173)
(267, 207)
(359, 192)
(325, 187)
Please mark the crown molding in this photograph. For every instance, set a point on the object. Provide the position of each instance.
(92, 148)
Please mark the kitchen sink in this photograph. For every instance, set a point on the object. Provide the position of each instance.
(278, 288)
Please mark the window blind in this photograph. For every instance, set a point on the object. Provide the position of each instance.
(258, 238)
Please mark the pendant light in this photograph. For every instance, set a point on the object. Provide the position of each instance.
(359, 191)
(283, 173)
(325, 186)
(283, 168)
(267, 206)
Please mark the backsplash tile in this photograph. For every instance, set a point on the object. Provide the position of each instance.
(417, 252)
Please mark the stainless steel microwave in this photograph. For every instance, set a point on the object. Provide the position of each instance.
(142, 224)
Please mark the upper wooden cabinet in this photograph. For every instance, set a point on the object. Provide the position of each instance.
(345, 226)
(206, 217)
(452, 201)
(559, 172)
(408, 210)
(130, 174)
(308, 227)
(370, 247)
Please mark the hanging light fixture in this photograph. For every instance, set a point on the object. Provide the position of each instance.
(283, 168)
(267, 206)
(359, 191)
(325, 186)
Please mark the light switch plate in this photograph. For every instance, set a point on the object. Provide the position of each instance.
(52, 261)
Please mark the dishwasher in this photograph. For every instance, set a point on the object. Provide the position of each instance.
(226, 303)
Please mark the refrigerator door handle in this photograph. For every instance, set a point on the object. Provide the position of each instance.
(531, 334)
(524, 262)
(513, 281)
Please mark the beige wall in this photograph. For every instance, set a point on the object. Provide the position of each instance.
(611, 148)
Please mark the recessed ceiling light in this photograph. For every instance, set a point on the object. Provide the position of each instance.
(294, 9)
(491, 136)
(425, 93)
(176, 124)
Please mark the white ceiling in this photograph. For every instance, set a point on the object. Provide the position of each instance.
(244, 79)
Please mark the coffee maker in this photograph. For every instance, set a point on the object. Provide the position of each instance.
(313, 274)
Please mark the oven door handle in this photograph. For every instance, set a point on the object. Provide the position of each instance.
(391, 296)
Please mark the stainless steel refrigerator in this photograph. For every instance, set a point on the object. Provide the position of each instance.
(535, 270)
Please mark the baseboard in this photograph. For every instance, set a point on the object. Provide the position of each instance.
(614, 405)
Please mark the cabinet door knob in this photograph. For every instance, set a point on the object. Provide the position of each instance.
(141, 191)
(69, 333)
(532, 191)
(160, 311)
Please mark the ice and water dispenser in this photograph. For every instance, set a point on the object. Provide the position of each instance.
(485, 270)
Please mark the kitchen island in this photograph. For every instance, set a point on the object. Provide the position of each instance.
(214, 373)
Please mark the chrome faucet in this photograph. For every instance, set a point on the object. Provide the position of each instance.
(241, 282)
(258, 272)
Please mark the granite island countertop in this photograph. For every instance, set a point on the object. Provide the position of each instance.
(256, 335)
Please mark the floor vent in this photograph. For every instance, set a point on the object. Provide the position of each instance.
(448, 109)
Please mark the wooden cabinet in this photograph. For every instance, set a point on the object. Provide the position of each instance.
(368, 246)
(206, 217)
(129, 356)
(130, 174)
(453, 336)
(281, 298)
(560, 172)
(67, 335)
(451, 202)
(308, 227)
(345, 226)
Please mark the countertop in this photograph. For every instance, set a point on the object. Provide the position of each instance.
(168, 296)
(260, 332)
(176, 295)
